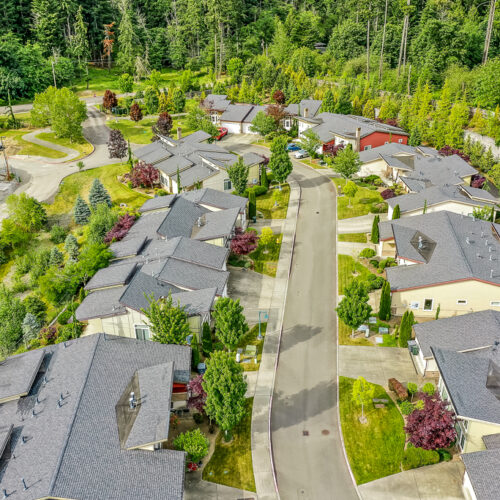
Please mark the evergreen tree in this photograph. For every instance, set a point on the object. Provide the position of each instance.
(117, 146)
(458, 119)
(178, 179)
(71, 247)
(405, 328)
(150, 100)
(98, 194)
(396, 213)
(357, 107)
(230, 322)
(206, 339)
(31, 327)
(487, 160)
(280, 163)
(344, 105)
(81, 211)
(195, 352)
(440, 117)
(252, 204)
(238, 174)
(375, 231)
(264, 181)
(56, 257)
(129, 45)
(404, 114)
(281, 48)
(178, 101)
(328, 105)
(369, 109)
(415, 136)
(353, 309)
(78, 43)
(385, 302)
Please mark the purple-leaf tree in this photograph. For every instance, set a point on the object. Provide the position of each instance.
(387, 193)
(198, 395)
(432, 427)
(244, 243)
(117, 145)
(120, 229)
(144, 175)
(332, 149)
(449, 151)
(477, 181)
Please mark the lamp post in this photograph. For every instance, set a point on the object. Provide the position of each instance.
(3, 148)
(265, 316)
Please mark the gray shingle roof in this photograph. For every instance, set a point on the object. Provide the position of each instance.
(479, 194)
(158, 203)
(415, 185)
(199, 252)
(72, 449)
(146, 226)
(216, 225)
(5, 434)
(197, 136)
(312, 106)
(197, 173)
(111, 276)
(459, 333)
(482, 468)
(18, 373)
(393, 148)
(236, 112)
(461, 249)
(492, 441)
(217, 102)
(433, 195)
(395, 162)
(215, 199)
(465, 378)
(174, 163)
(181, 218)
(101, 303)
(153, 153)
(128, 247)
(253, 113)
(252, 158)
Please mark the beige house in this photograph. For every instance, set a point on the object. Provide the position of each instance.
(444, 260)
(215, 105)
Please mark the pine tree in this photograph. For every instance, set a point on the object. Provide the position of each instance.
(98, 194)
(31, 327)
(396, 213)
(81, 211)
(415, 136)
(129, 45)
(369, 109)
(328, 105)
(404, 114)
(478, 121)
(385, 302)
(344, 105)
(375, 231)
(458, 119)
(206, 339)
(71, 247)
(117, 146)
(252, 204)
(357, 107)
(440, 117)
(56, 257)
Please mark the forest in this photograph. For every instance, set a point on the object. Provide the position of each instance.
(390, 45)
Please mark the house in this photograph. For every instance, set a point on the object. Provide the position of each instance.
(481, 479)
(470, 383)
(458, 199)
(362, 133)
(306, 108)
(89, 418)
(238, 118)
(195, 163)
(178, 247)
(215, 105)
(445, 260)
(470, 332)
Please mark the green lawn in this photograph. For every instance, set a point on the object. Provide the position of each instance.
(231, 464)
(374, 449)
(346, 339)
(265, 204)
(251, 338)
(83, 147)
(80, 183)
(267, 263)
(361, 204)
(16, 145)
(347, 266)
(353, 237)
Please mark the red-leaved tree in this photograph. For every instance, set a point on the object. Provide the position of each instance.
(144, 175)
(432, 427)
(163, 126)
(332, 149)
(276, 112)
(448, 151)
(477, 181)
(120, 229)
(135, 112)
(244, 243)
(387, 193)
(109, 100)
(279, 97)
(197, 395)
(117, 145)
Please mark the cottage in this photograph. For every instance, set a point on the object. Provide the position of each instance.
(215, 105)
(89, 418)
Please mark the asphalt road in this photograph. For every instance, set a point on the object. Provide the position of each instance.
(308, 453)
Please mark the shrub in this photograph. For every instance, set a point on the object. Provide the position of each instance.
(23, 264)
(161, 192)
(398, 388)
(389, 262)
(258, 190)
(48, 335)
(144, 175)
(69, 331)
(366, 253)
(374, 262)
(57, 234)
(418, 457)
(120, 229)
(198, 418)
(378, 208)
(387, 193)
(428, 389)
(374, 282)
(444, 455)
(406, 407)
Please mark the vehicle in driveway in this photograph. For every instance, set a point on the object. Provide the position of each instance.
(291, 146)
(301, 153)
(222, 133)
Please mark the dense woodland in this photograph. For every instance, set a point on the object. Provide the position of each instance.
(405, 42)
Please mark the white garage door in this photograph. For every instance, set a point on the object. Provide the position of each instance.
(232, 128)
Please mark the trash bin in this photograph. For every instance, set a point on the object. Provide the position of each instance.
(254, 219)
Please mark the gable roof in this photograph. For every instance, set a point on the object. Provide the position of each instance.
(463, 248)
(393, 148)
(111, 276)
(180, 219)
(236, 112)
(215, 199)
(217, 102)
(466, 332)
(66, 455)
(216, 224)
(482, 468)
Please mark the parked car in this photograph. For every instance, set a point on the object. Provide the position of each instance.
(301, 153)
(222, 133)
(291, 146)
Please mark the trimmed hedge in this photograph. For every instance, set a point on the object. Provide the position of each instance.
(418, 457)
(366, 253)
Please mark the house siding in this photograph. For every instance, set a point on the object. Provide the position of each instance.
(475, 433)
(376, 139)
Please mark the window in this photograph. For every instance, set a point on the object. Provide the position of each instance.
(462, 302)
(400, 141)
(288, 124)
(414, 305)
(227, 184)
(428, 304)
(142, 332)
(366, 148)
(386, 142)
(495, 303)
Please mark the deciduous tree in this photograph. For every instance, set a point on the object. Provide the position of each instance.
(244, 242)
(163, 126)
(310, 142)
(109, 100)
(353, 309)
(27, 212)
(117, 146)
(347, 162)
(238, 174)
(362, 394)
(194, 443)
(350, 189)
(135, 112)
(230, 322)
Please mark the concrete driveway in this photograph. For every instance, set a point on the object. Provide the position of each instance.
(361, 224)
(443, 481)
(376, 364)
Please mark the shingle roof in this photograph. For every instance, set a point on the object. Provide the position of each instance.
(181, 218)
(199, 252)
(101, 303)
(111, 276)
(216, 225)
(153, 153)
(479, 194)
(253, 113)
(215, 199)
(465, 378)
(72, 449)
(393, 148)
(146, 226)
(461, 249)
(217, 102)
(128, 247)
(195, 174)
(197, 136)
(395, 162)
(492, 441)
(415, 185)
(312, 106)
(459, 333)
(482, 468)
(252, 158)
(236, 112)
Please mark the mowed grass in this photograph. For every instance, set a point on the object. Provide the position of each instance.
(252, 338)
(353, 237)
(374, 449)
(16, 145)
(82, 146)
(361, 204)
(80, 182)
(265, 203)
(231, 463)
(345, 338)
(347, 267)
(267, 263)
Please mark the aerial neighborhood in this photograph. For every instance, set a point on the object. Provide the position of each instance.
(250, 250)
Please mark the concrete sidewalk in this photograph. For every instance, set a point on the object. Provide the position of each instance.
(261, 452)
(361, 224)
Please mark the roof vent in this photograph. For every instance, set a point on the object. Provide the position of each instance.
(491, 257)
(479, 256)
(201, 221)
(467, 240)
(491, 274)
(24, 484)
(420, 243)
(132, 402)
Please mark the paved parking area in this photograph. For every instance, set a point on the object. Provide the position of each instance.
(443, 481)
(377, 364)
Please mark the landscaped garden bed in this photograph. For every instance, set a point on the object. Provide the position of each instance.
(365, 201)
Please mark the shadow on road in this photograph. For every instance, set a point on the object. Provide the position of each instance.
(297, 335)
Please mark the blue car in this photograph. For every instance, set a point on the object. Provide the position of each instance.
(292, 147)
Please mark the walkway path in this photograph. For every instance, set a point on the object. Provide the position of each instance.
(361, 224)
(32, 137)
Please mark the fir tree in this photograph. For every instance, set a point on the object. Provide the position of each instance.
(31, 327)
(415, 136)
(56, 257)
(252, 204)
(385, 302)
(375, 231)
(396, 213)
(98, 194)
(328, 105)
(344, 105)
(206, 339)
(369, 109)
(71, 247)
(405, 328)
(264, 182)
(81, 211)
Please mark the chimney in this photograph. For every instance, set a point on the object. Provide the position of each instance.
(179, 133)
(357, 147)
(306, 112)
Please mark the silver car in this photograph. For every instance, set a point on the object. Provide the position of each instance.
(301, 153)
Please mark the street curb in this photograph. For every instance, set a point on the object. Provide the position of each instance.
(338, 345)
